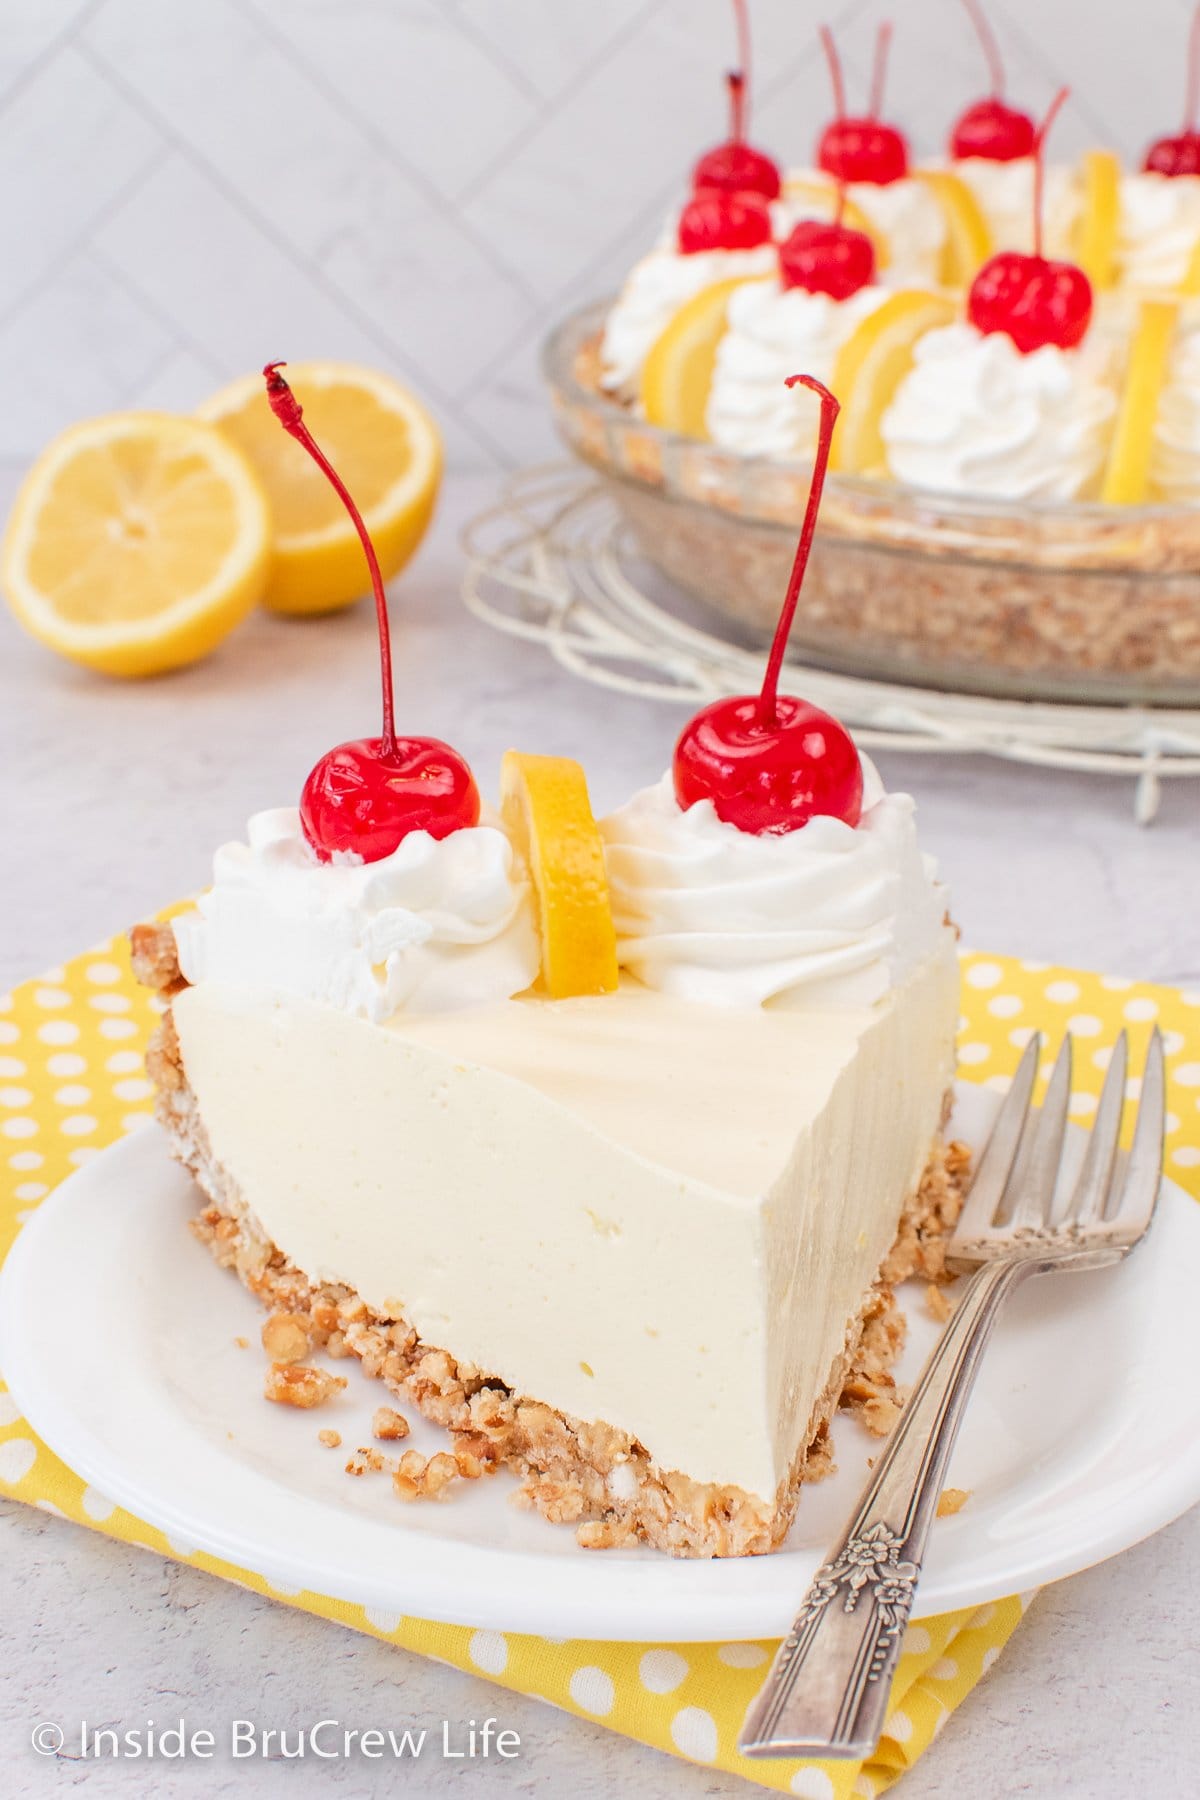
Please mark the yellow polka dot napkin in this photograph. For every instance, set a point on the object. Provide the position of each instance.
(72, 1082)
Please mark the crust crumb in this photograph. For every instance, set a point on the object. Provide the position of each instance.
(332, 1440)
(291, 1385)
(951, 1500)
(285, 1337)
(387, 1423)
(938, 1303)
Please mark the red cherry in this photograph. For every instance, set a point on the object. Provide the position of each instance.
(767, 761)
(1180, 155)
(861, 149)
(368, 795)
(991, 129)
(1034, 300)
(735, 166)
(365, 799)
(825, 257)
(994, 131)
(716, 220)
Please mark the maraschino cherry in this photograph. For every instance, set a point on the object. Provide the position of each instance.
(825, 256)
(861, 149)
(365, 797)
(767, 761)
(716, 219)
(1180, 155)
(992, 129)
(736, 166)
(1035, 301)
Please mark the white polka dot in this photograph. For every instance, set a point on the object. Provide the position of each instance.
(8, 1410)
(999, 1084)
(917, 1641)
(97, 1506)
(31, 1190)
(19, 1128)
(1020, 1035)
(50, 998)
(694, 1733)
(117, 1028)
(1133, 1088)
(1005, 1006)
(66, 1062)
(103, 973)
(387, 1622)
(110, 1003)
(1115, 984)
(985, 975)
(592, 1690)
(8, 1032)
(661, 1671)
(26, 1159)
(77, 1125)
(1188, 1074)
(181, 1547)
(17, 1457)
(11, 1068)
(58, 1031)
(1186, 1157)
(944, 1669)
(990, 1655)
(1173, 1042)
(1137, 1010)
(85, 1153)
(1170, 1123)
(1026, 1600)
(813, 1784)
(939, 1724)
(1082, 1106)
(864, 1788)
(1062, 992)
(136, 1121)
(742, 1656)
(135, 1088)
(74, 1094)
(1085, 1025)
(48, 1506)
(56, 974)
(983, 1617)
(900, 1727)
(974, 1053)
(23, 1218)
(15, 1096)
(488, 1650)
(124, 1062)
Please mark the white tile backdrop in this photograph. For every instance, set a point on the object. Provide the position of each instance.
(188, 187)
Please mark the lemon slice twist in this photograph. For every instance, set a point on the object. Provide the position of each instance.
(548, 815)
(870, 366)
(1127, 477)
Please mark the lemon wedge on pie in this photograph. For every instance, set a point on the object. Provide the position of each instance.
(546, 809)
(137, 542)
(870, 366)
(1128, 473)
(822, 196)
(677, 374)
(1096, 239)
(384, 445)
(968, 241)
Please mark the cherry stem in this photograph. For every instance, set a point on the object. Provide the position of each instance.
(741, 97)
(1039, 164)
(991, 49)
(288, 411)
(768, 708)
(883, 43)
(1192, 95)
(835, 71)
(737, 105)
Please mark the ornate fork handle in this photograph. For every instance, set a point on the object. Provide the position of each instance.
(828, 1689)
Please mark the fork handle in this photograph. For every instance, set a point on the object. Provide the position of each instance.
(828, 1689)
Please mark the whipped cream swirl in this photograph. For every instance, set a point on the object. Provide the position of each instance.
(1004, 191)
(772, 332)
(653, 293)
(976, 416)
(830, 915)
(905, 213)
(1158, 228)
(437, 924)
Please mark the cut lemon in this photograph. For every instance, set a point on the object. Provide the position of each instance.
(677, 374)
(1096, 235)
(137, 542)
(1128, 473)
(548, 814)
(870, 366)
(387, 450)
(968, 241)
(822, 196)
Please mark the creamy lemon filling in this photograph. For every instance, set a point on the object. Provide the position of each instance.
(635, 1209)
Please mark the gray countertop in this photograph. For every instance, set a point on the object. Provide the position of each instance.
(113, 799)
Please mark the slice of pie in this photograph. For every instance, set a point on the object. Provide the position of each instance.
(604, 1145)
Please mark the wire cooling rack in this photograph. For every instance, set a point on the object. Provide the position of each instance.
(553, 561)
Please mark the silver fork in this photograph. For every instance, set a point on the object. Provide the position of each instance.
(828, 1688)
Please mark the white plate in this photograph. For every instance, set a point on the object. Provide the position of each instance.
(1083, 1435)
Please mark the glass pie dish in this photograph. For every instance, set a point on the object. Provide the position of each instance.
(1082, 602)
